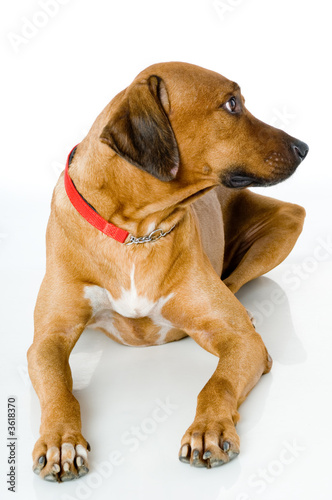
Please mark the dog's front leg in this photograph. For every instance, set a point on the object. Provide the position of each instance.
(220, 324)
(60, 453)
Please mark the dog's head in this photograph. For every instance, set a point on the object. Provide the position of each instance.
(181, 122)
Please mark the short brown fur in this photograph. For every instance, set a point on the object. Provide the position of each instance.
(149, 158)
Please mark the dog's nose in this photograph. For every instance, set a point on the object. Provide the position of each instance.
(300, 149)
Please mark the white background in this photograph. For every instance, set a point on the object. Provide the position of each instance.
(53, 86)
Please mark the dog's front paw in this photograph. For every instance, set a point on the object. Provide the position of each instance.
(210, 444)
(61, 456)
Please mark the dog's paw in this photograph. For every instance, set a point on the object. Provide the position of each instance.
(61, 458)
(210, 444)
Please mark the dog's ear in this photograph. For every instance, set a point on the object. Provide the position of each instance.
(140, 131)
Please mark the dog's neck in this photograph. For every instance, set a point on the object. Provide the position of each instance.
(129, 198)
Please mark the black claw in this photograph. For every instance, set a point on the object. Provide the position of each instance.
(207, 455)
(196, 461)
(184, 458)
(225, 446)
(40, 465)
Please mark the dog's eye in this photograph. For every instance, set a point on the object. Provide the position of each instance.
(231, 105)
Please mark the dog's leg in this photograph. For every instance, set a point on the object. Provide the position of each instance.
(60, 317)
(216, 320)
(259, 234)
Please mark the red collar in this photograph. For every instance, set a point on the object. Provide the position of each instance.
(87, 211)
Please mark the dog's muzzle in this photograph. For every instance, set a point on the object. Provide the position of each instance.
(283, 166)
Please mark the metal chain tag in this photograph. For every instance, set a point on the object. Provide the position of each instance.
(153, 236)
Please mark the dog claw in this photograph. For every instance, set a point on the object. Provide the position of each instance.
(207, 455)
(82, 470)
(41, 465)
(230, 453)
(183, 455)
(196, 461)
(68, 475)
(56, 468)
(212, 462)
(225, 446)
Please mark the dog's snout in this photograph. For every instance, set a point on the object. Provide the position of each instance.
(300, 149)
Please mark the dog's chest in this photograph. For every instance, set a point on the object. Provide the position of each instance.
(132, 318)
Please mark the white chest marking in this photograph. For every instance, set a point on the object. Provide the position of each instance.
(130, 305)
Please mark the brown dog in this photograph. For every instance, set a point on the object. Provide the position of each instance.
(176, 133)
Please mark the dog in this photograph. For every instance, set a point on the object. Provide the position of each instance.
(151, 233)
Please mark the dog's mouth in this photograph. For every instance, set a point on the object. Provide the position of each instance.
(238, 180)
